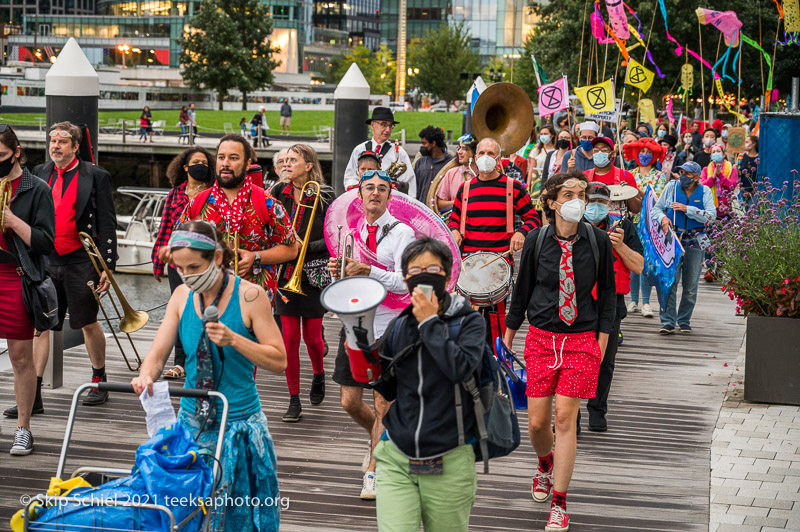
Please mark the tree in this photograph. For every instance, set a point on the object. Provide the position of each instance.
(378, 67)
(441, 57)
(228, 48)
(556, 42)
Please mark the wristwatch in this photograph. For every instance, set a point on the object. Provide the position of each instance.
(256, 263)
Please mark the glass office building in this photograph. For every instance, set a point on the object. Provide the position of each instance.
(140, 32)
(498, 27)
(422, 16)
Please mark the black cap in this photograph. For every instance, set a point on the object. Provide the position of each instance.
(669, 139)
(598, 190)
(382, 113)
(370, 155)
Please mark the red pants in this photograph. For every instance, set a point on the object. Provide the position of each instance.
(312, 336)
(561, 363)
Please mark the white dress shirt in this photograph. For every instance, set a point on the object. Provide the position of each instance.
(390, 251)
(351, 172)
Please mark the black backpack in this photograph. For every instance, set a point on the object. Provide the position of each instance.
(495, 415)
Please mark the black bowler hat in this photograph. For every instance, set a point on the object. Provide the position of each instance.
(669, 139)
(382, 114)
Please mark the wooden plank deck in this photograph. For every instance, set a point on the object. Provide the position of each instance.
(649, 472)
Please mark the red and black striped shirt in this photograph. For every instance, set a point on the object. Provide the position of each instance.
(486, 215)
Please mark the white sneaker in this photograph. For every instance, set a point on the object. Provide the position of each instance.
(633, 308)
(647, 311)
(369, 487)
(365, 461)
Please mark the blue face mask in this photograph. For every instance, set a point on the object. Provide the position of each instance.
(717, 157)
(645, 158)
(596, 212)
(686, 181)
(586, 145)
(662, 133)
(544, 139)
(600, 160)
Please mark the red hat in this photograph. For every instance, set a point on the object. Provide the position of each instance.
(604, 140)
(631, 151)
(717, 124)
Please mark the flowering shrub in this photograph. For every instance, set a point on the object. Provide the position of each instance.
(758, 254)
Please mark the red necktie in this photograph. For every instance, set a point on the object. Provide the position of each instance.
(567, 310)
(58, 187)
(372, 242)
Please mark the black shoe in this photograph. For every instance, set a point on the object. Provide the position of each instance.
(295, 411)
(96, 397)
(597, 423)
(667, 329)
(38, 408)
(317, 389)
(325, 350)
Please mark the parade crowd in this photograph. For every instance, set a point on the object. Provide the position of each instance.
(568, 204)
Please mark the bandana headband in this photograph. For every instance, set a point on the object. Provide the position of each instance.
(192, 240)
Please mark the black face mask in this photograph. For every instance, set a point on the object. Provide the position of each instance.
(562, 144)
(6, 166)
(198, 172)
(437, 281)
(424, 151)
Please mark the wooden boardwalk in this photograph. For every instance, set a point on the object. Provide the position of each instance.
(649, 472)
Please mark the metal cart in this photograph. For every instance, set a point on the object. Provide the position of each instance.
(214, 519)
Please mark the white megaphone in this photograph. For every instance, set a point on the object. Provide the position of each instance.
(354, 300)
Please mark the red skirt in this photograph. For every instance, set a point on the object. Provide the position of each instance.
(14, 321)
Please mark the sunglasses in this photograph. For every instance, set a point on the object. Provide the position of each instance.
(60, 133)
(3, 127)
(569, 183)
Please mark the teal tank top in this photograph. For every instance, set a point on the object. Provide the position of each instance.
(234, 378)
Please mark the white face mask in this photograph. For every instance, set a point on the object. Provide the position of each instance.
(572, 210)
(486, 164)
(200, 282)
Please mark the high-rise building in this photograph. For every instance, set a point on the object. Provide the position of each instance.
(498, 27)
(339, 25)
(134, 32)
(422, 16)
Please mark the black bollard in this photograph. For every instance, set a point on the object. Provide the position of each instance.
(351, 110)
(72, 89)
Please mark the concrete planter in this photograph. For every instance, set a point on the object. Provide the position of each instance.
(772, 363)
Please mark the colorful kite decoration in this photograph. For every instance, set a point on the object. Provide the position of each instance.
(725, 21)
(687, 78)
(618, 19)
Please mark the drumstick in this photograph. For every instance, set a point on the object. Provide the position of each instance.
(507, 253)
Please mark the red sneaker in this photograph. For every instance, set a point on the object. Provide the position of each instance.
(709, 277)
(542, 485)
(559, 520)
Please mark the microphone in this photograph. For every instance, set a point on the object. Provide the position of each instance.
(211, 315)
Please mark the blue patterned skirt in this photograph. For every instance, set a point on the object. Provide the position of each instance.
(249, 468)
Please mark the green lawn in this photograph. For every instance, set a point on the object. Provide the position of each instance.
(303, 122)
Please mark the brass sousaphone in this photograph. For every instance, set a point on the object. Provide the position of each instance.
(503, 112)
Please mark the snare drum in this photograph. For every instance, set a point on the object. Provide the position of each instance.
(484, 286)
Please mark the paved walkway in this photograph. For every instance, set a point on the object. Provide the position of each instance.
(755, 463)
(649, 472)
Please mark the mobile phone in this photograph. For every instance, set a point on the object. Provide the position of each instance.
(426, 289)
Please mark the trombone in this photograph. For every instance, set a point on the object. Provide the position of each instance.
(349, 244)
(129, 322)
(294, 284)
(5, 200)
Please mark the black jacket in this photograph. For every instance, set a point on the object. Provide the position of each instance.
(34, 205)
(94, 207)
(421, 421)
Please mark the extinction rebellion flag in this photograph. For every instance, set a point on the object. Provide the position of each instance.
(662, 252)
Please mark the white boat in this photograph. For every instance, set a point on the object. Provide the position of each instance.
(137, 232)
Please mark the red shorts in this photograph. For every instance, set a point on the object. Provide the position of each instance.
(561, 363)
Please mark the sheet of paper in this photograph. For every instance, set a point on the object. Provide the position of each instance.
(158, 407)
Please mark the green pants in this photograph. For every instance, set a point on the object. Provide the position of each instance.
(442, 502)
